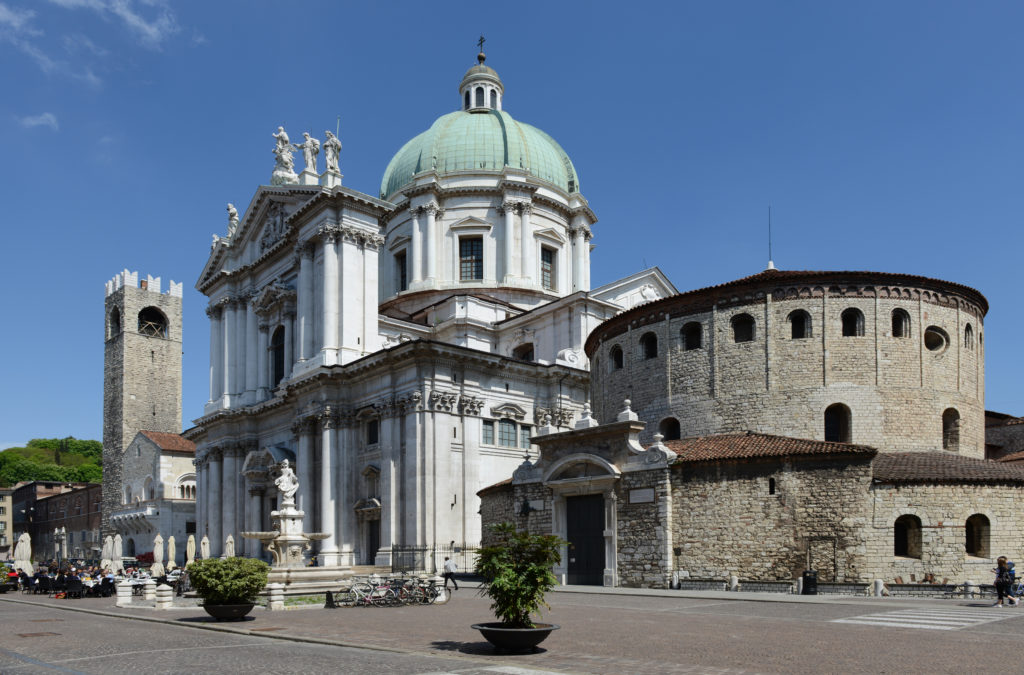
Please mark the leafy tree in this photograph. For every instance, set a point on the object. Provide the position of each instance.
(516, 572)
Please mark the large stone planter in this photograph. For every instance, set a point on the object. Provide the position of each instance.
(228, 612)
(515, 639)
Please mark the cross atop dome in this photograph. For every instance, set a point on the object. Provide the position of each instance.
(481, 89)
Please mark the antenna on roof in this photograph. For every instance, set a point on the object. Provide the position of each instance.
(771, 264)
(337, 129)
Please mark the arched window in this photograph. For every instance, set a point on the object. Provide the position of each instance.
(976, 532)
(969, 336)
(743, 328)
(799, 324)
(649, 346)
(277, 356)
(152, 322)
(900, 323)
(114, 328)
(466, 106)
(130, 548)
(616, 354)
(127, 494)
(149, 492)
(951, 430)
(479, 97)
(906, 539)
(494, 99)
(837, 423)
(853, 322)
(692, 335)
(669, 428)
(523, 352)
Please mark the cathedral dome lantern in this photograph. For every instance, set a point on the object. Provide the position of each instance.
(481, 88)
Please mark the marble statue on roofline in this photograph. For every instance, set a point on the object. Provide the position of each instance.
(284, 166)
(310, 149)
(332, 149)
(232, 219)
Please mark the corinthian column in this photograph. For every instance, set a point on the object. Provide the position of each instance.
(328, 446)
(526, 231)
(417, 247)
(214, 491)
(431, 211)
(305, 299)
(251, 333)
(508, 209)
(263, 366)
(329, 245)
(216, 354)
(577, 259)
(230, 490)
(228, 350)
(289, 358)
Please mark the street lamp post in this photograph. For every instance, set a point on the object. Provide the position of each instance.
(58, 536)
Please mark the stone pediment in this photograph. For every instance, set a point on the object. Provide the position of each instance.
(551, 234)
(508, 410)
(273, 297)
(398, 242)
(470, 223)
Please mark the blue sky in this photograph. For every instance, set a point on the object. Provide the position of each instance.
(885, 136)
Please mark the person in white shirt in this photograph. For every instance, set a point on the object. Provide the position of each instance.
(449, 573)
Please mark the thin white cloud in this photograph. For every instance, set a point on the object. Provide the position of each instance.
(45, 119)
(78, 43)
(17, 30)
(16, 19)
(151, 30)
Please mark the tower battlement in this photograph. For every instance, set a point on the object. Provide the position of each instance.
(150, 283)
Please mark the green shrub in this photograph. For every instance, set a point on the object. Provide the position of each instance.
(228, 581)
(516, 572)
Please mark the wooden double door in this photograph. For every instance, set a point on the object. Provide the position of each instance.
(584, 526)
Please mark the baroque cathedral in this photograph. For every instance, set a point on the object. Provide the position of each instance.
(401, 350)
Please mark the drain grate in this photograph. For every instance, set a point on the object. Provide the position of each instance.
(36, 634)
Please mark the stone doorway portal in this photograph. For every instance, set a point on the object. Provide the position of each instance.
(584, 521)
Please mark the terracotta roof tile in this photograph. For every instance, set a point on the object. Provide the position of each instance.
(749, 445)
(943, 467)
(495, 488)
(1012, 457)
(173, 442)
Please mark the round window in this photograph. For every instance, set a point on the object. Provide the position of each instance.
(935, 339)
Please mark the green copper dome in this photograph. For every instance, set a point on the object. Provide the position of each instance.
(482, 140)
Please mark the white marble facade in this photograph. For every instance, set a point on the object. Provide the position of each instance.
(347, 337)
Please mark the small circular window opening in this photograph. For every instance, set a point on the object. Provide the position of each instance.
(936, 339)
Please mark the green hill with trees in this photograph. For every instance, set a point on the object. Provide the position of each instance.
(64, 459)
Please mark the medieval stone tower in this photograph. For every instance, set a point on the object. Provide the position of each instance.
(141, 371)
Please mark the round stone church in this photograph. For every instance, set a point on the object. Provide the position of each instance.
(785, 421)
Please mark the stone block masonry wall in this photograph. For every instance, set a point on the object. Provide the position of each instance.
(726, 521)
(644, 531)
(896, 388)
(943, 511)
(496, 506)
(141, 373)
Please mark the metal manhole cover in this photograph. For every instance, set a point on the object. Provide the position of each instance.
(36, 634)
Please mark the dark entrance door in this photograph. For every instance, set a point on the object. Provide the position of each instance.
(584, 524)
(372, 540)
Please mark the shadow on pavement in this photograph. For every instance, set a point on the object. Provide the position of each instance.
(478, 648)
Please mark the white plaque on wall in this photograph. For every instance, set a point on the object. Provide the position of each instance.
(641, 496)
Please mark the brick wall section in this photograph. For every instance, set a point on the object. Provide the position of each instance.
(726, 522)
(141, 381)
(896, 388)
(644, 531)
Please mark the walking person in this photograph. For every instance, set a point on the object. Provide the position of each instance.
(1004, 577)
(449, 572)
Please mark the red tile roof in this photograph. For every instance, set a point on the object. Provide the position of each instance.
(495, 488)
(750, 445)
(172, 442)
(943, 467)
(1012, 457)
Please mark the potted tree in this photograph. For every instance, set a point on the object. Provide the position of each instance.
(516, 573)
(228, 586)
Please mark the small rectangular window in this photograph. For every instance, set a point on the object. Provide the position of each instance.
(524, 437)
(488, 435)
(507, 434)
(471, 258)
(372, 432)
(547, 268)
(401, 272)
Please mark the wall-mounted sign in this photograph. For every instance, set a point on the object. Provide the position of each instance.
(641, 496)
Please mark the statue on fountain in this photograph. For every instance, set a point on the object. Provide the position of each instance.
(286, 542)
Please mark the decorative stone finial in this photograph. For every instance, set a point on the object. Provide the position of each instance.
(586, 421)
(627, 415)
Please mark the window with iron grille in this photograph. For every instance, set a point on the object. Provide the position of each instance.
(471, 258)
(547, 268)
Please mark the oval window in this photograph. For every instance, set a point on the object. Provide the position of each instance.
(935, 339)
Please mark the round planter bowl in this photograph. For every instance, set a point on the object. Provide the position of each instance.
(228, 612)
(515, 639)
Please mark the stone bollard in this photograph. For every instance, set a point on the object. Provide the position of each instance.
(970, 588)
(675, 579)
(734, 583)
(877, 588)
(276, 601)
(799, 585)
(164, 597)
(124, 594)
(149, 590)
(442, 597)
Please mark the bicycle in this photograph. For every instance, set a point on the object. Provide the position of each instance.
(365, 594)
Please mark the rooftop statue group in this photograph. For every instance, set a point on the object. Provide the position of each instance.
(284, 166)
